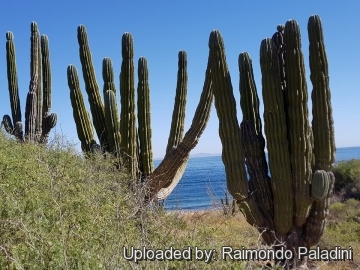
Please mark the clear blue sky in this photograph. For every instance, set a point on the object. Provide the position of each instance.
(160, 30)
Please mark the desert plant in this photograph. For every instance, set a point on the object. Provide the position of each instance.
(38, 120)
(280, 206)
(121, 137)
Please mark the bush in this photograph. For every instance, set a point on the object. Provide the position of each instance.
(347, 175)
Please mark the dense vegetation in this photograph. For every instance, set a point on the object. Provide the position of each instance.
(61, 211)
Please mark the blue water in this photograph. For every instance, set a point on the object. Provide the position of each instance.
(204, 182)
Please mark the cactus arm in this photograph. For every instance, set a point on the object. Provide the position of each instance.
(276, 135)
(48, 120)
(92, 87)
(322, 123)
(296, 99)
(46, 75)
(177, 123)
(178, 117)
(257, 170)
(252, 139)
(249, 100)
(144, 119)
(108, 75)
(128, 117)
(12, 78)
(31, 111)
(31, 99)
(172, 165)
(229, 131)
(39, 93)
(81, 115)
(112, 122)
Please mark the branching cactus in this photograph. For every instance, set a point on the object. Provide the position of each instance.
(177, 123)
(289, 206)
(122, 136)
(38, 120)
(169, 172)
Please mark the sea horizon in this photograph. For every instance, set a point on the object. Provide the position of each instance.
(203, 184)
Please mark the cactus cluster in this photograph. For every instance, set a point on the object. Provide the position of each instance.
(290, 206)
(128, 137)
(38, 119)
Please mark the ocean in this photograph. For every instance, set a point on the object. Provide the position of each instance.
(204, 182)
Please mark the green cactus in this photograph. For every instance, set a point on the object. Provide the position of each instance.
(13, 81)
(319, 184)
(290, 213)
(127, 116)
(112, 122)
(323, 124)
(144, 120)
(48, 120)
(108, 75)
(276, 134)
(92, 87)
(81, 115)
(177, 124)
(178, 117)
(169, 172)
(38, 121)
(134, 155)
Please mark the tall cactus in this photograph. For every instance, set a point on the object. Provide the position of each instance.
(38, 120)
(92, 87)
(177, 123)
(135, 144)
(127, 116)
(144, 120)
(178, 117)
(286, 213)
(166, 176)
(81, 115)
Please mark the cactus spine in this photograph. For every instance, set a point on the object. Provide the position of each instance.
(296, 150)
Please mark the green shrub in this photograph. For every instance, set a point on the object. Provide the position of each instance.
(345, 172)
